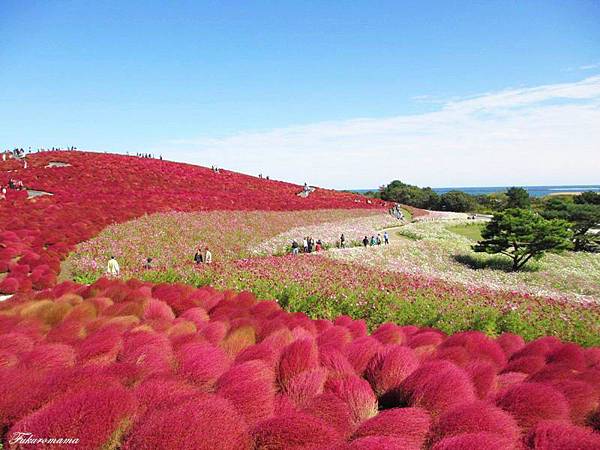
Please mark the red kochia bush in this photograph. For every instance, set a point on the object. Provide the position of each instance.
(570, 355)
(409, 424)
(160, 393)
(101, 346)
(250, 388)
(16, 342)
(555, 435)
(297, 357)
(530, 403)
(380, 443)
(525, 364)
(333, 411)
(483, 377)
(206, 423)
(436, 386)
(202, 364)
(389, 367)
(476, 441)
(360, 351)
(306, 385)
(389, 333)
(581, 398)
(335, 336)
(336, 363)
(475, 417)
(357, 393)
(479, 347)
(294, 432)
(49, 357)
(98, 416)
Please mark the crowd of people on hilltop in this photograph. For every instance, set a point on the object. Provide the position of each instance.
(309, 245)
(396, 211)
(148, 155)
(13, 184)
(19, 153)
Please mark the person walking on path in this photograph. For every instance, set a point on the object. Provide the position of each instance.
(365, 241)
(386, 238)
(294, 247)
(113, 268)
(372, 240)
(198, 259)
(378, 239)
(207, 256)
(342, 241)
(305, 244)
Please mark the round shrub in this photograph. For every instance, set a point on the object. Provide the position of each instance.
(205, 423)
(294, 432)
(530, 403)
(436, 386)
(409, 424)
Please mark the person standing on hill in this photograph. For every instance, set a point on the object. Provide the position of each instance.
(365, 241)
(386, 238)
(207, 256)
(294, 247)
(318, 246)
(198, 259)
(305, 244)
(113, 268)
(342, 241)
(379, 239)
(372, 240)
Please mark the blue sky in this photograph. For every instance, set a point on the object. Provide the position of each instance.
(304, 90)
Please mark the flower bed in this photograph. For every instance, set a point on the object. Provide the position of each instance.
(172, 238)
(141, 366)
(432, 250)
(96, 190)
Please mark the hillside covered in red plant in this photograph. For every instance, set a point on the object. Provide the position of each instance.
(92, 190)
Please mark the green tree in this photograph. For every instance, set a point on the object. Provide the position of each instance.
(407, 194)
(590, 197)
(457, 201)
(522, 234)
(583, 217)
(517, 197)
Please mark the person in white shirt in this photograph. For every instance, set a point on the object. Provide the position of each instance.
(113, 267)
(207, 256)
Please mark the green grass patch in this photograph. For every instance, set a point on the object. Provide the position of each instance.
(471, 231)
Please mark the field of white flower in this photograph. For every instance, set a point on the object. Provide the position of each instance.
(354, 229)
(431, 249)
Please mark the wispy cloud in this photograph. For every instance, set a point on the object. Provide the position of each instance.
(547, 134)
(584, 67)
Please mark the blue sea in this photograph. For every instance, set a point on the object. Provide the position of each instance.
(534, 191)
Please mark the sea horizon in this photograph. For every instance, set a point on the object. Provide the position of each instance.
(534, 191)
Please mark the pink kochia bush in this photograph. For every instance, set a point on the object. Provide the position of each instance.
(140, 366)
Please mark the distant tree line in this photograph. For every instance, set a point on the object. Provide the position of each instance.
(523, 227)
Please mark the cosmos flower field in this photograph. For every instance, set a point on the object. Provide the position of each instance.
(130, 364)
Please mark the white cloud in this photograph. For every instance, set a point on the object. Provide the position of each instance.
(542, 135)
(584, 67)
